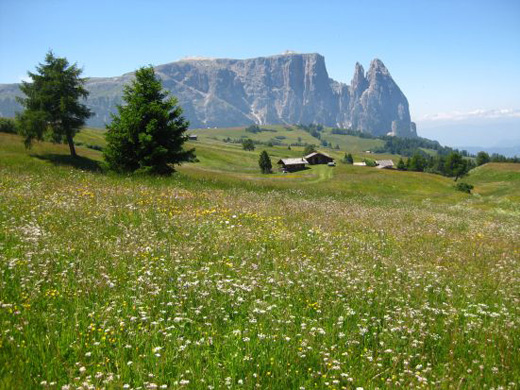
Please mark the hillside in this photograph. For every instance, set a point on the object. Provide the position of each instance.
(227, 163)
(219, 276)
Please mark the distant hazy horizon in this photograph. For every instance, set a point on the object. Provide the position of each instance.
(496, 130)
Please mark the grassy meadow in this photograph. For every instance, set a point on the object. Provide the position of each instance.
(222, 278)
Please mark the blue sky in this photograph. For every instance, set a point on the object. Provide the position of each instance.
(447, 56)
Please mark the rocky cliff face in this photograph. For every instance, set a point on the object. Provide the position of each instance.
(282, 89)
(379, 107)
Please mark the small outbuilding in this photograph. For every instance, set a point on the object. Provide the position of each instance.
(292, 164)
(192, 137)
(318, 158)
(384, 164)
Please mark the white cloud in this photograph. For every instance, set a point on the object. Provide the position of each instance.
(475, 114)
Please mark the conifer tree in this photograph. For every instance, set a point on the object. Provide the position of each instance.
(455, 165)
(265, 163)
(149, 131)
(52, 104)
(482, 158)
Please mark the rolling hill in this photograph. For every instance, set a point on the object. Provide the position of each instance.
(221, 159)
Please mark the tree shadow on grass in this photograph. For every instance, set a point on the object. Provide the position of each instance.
(79, 162)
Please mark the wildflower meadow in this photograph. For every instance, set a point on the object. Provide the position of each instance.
(110, 282)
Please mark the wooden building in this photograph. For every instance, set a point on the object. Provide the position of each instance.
(384, 164)
(318, 158)
(292, 164)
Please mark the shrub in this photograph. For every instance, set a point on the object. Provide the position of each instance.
(369, 162)
(464, 187)
(248, 144)
(348, 159)
(7, 125)
(253, 129)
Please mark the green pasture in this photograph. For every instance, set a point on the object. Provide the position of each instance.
(219, 277)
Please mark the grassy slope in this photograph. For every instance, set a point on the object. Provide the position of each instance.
(234, 165)
(497, 179)
(291, 135)
(91, 136)
(497, 182)
(329, 278)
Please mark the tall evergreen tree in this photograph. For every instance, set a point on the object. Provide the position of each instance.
(265, 162)
(149, 131)
(52, 102)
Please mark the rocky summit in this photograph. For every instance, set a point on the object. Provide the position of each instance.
(282, 89)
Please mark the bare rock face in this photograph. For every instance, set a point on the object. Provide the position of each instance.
(269, 90)
(282, 89)
(381, 108)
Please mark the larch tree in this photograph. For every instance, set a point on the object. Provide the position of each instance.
(148, 133)
(482, 158)
(455, 165)
(52, 104)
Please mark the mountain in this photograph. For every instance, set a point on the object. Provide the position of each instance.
(282, 89)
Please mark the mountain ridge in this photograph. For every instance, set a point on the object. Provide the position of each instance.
(280, 89)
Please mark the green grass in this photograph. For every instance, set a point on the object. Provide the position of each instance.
(350, 143)
(502, 179)
(291, 135)
(220, 277)
(230, 164)
(91, 136)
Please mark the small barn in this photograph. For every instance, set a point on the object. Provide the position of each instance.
(318, 158)
(192, 137)
(292, 164)
(384, 164)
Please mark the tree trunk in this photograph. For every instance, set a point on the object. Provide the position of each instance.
(71, 146)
